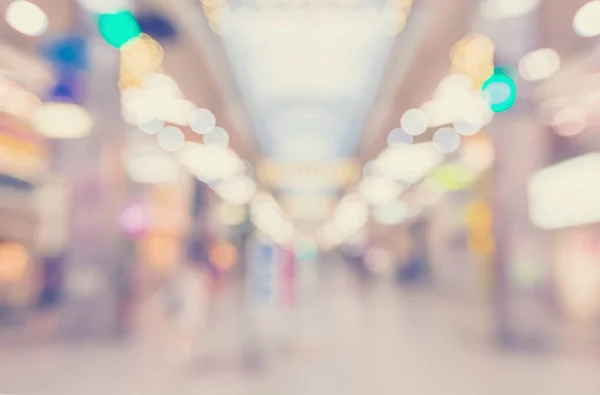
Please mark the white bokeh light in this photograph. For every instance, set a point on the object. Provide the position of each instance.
(26, 18)
(171, 139)
(350, 216)
(569, 121)
(202, 121)
(586, 21)
(414, 122)
(391, 214)
(217, 137)
(446, 140)
(379, 190)
(540, 64)
(238, 190)
(106, 6)
(62, 121)
(210, 163)
(152, 126)
(500, 9)
(467, 126)
(399, 136)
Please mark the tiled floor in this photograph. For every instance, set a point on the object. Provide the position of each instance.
(351, 341)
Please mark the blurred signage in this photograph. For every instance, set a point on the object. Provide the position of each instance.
(156, 25)
(52, 206)
(16, 100)
(308, 175)
(68, 56)
(68, 51)
(68, 87)
(312, 207)
(566, 194)
(577, 273)
(264, 278)
(23, 154)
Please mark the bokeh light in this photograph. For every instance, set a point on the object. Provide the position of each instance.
(379, 190)
(569, 121)
(500, 91)
(446, 140)
(170, 139)
(223, 256)
(238, 190)
(399, 136)
(27, 18)
(106, 6)
(202, 121)
(14, 262)
(391, 214)
(452, 176)
(217, 137)
(501, 9)
(585, 22)
(118, 28)
(540, 64)
(62, 121)
(414, 122)
(231, 214)
(152, 126)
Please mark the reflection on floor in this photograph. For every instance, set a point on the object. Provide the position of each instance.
(348, 340)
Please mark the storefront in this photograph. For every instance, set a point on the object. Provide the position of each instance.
(23, 161)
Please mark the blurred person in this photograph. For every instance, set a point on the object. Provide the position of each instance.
(186, 304)
(46, 321)
(416, 268)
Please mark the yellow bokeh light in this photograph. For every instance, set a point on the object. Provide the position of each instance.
(161, 251)
(14, 260)
(481, 243)
(231, 214)
(140, 57)
(223, 256)
(479, 216)
(473, 56)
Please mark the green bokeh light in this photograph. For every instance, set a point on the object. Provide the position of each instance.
(118, 28)
(452, 177)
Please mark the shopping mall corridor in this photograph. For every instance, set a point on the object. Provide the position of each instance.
(352, 338)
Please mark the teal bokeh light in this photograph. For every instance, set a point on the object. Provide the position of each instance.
(118, 28)
(500, 90)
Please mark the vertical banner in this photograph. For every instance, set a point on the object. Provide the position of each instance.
(264, 274)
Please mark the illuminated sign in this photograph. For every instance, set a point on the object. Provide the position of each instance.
(566, 194)
(22, 154)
